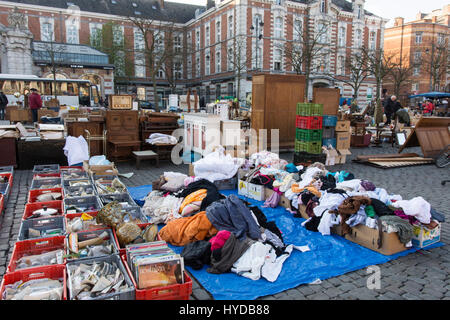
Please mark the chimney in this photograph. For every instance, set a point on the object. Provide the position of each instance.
(399, 22)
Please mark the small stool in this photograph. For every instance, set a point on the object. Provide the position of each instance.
(145, 155)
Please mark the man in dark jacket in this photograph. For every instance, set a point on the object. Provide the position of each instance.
(35, 103)
(3, 103)
(390, 108)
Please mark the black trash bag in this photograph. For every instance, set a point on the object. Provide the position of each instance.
(196, 254)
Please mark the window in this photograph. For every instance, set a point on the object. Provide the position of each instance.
(139, 66)
(72, 34)
(358, 38)
(118, 34)
(230, 63)
(197, 39)
(359, 11)
(257, 57)
(322, 6)
(279, 2)
(189, 67)
(441, 38)
(141, 93)
(207, 64)
(177, 69)
(230, 27)
(256, 20)
(417, 56)
(416, 71)
(218, 91)
(160, 74)
(177, 43)
(342, 37)
(230, 89)
(298, 30)
(218, 31)
(218, 62)
(47, 33)
(197, 67)
(159, 42)
(95, 30)
(322, 30)
(341, 68)
(278, 27)
(372, 40)
(415, 87)
(419, 37)
(207, 34)
(277, 60)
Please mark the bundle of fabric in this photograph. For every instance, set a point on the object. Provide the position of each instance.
(217, 166)
(159, 138)
(170, 182)
(349, 207)
(160, 208)
(212, 193)
(182, 231)
(268, 159)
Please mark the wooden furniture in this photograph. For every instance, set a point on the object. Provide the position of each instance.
(431, 134)
(157, 122)
(201, 132)
(274, 105)
(122, 128)
(8, 156)
(16, 114)
(30, 153)
(120, 102)
(145, 155)
(163, 150)
(95, 128)
(329, 97)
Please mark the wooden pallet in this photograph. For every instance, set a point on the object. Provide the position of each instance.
(388, 161)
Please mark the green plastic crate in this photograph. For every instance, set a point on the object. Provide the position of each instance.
(308, 135)
(314, 147)
(309, 109)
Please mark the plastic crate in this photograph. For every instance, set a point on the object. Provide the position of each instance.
(309, 109)
(74, 192)
(70, 217)
(314, 147)
(329, 121)
(173, 292)
(46, 183)
(65, 168)
(227, 184)
(2, 203)
(309, 122)
(121, 197)
(308, 135)
(46, 168)
(9, 178)
(328, 142)
(128, 294)
(33, 194)
(122, 250)
(77, 182)
(90, 234)
(55, 272)
(34, 247)
(328, 132)
(74, 174)
(31, 207)
(4, 189)
(107, 180)
(306, 159)
(91, 204)
(7, 169)
(41, 224)
(39, 176)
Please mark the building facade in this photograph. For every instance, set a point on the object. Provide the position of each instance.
(423, 46)
(222, 44)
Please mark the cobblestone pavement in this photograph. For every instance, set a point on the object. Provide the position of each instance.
(423, 275)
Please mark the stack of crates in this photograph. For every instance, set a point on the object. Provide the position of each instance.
(329, 127)
(308, 136)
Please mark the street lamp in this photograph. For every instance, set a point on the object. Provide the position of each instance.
(258, 38)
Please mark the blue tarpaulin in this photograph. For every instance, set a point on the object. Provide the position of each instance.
(330, 256)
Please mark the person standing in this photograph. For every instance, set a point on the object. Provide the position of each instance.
(35, 102)
(390, 108)
(3, 103)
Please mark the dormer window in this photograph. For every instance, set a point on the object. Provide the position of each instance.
(359, 11)
(322, 6)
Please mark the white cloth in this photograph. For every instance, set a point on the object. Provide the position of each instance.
(328, 201)
(217, 166)
(159, 138)
(327, 221)
(307, 176)
(353, 185)
(159, 209)
(416, 207)
(76, 150)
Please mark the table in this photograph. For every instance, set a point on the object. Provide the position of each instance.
(164, 150)
(145, 155)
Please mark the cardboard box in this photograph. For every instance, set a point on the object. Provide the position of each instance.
(343, 140)
(342, 156)
(343, 126)
(191, 170)
(256, 192)
(284, 202)
(424, 237)
(243, 188)
(96, 170)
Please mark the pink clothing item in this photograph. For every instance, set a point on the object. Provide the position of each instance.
(218, 241)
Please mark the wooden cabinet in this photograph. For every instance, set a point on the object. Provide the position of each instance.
(274, 105)
(95, 128)
(8, 156)
(122, 133)
(329, 97)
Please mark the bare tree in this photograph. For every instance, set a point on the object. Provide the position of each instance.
(156, 50)
(308, 47)
(238, 60)
(379, 65)
(436, 63)
(177, 50)
(400, 73)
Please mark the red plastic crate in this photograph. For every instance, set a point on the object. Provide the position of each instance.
(10, 179)
(309, 122)
(1, 203)
(172, 292)
(47, 175)
(122, 250)
(33, 247)
(31, 207)
(71, 216)
(33, 194)
(56, 272)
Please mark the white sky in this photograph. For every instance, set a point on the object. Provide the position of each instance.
(388, 9)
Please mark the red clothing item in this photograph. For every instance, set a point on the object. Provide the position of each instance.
(35, 101)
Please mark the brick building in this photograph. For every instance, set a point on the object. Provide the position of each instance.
(423, 45)
(217, 40)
